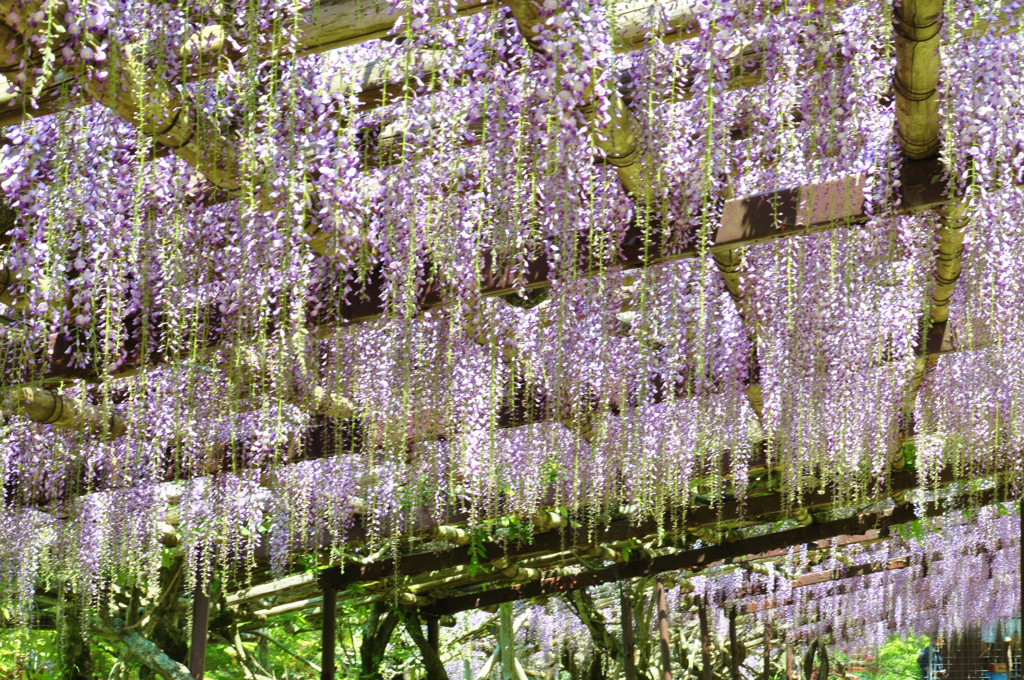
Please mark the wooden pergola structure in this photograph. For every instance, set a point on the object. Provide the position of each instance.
(452, 575)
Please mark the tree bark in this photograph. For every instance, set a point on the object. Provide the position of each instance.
(734, 647)
(628, 643)
(75, 653)
(583, 605)
(380, 625)
(705, 640)
(431, 657)
(151, 655)
(664, 639)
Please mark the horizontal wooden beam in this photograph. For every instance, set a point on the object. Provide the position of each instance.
(697, 559)
(744, 222)
(619, 530)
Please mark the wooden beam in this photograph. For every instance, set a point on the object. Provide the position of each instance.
(747, 221)
(582, 537)
(728, 552)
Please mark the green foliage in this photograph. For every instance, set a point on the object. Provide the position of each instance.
(28, 654)
(477, 552)
(895, 660)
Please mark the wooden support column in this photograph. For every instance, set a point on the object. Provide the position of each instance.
(200, 631)
(734, 647)
(789, 662)
(767, 672)
(328, 633)
(434, 632)
(705, 640)
(664, 639)
(628, 641)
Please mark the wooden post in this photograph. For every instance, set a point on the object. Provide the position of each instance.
(506, 642)
(328, 633)
(665, 642)
(628, 643)
(734, 647)
(789, 662)
(705, 639)
(200, 631)
(767, 652)
(434, 632)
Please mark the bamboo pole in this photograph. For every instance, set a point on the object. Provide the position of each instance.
(510, 669)
(8, 280)
(917, 26)
(44, 406)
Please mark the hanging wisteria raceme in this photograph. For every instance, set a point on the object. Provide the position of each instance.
(944, 577)
(204, 291)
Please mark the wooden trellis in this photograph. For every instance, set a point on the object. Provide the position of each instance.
(435, 584)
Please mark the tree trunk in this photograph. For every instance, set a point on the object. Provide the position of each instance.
(628, 644)
(431, 657)
(380, 625)
(734, 647)
(664, 640)
(705, 640)
(168, 632)
(75, 653)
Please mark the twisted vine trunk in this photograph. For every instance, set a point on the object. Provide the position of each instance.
(431, 656)
(380, 625)
(75, 653)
